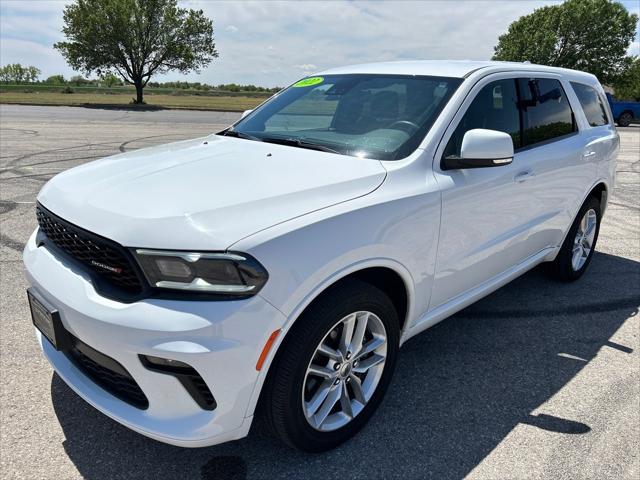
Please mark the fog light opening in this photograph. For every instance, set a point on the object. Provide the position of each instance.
(190, 379)
(165, 364)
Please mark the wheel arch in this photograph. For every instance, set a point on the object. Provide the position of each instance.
(600, 190)
(385, 274)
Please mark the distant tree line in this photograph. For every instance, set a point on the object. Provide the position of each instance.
(229, 87)
(17, 74)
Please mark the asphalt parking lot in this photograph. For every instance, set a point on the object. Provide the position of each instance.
(538, 380)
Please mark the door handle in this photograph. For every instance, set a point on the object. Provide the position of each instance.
(588, 154)
(523, 176)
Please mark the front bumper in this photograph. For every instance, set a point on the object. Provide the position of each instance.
(221, 340)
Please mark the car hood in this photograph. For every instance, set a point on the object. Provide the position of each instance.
(206, 193)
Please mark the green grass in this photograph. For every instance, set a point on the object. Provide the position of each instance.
(122, 96)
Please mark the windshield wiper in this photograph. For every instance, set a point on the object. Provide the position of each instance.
(236, 134)
(296, 142)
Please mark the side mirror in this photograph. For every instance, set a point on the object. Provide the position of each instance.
(245, 113)
(482, 148)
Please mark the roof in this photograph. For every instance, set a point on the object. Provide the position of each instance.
(447, 68)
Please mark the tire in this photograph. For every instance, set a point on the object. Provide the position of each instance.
(565, 267)
(290, 384)
(625, 119)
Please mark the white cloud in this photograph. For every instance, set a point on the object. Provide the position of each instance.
(281, 41)
(26, 52)
(282, 37)
(307, 67)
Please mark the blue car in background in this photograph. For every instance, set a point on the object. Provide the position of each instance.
(624, 112)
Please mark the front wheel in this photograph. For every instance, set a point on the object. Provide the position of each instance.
(625, 119)
(334, 368)
(578, 247)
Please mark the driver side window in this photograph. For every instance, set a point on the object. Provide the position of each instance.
(495, 107)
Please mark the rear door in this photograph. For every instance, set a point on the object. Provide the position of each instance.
(553, 149)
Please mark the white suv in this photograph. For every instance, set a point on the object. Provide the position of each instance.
(276, 267)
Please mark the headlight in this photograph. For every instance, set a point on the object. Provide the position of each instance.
(215, 273)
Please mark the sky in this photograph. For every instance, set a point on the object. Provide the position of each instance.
(273, 43)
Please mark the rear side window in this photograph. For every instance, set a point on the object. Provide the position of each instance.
(546, 113)
(591, 104)
(494, 108)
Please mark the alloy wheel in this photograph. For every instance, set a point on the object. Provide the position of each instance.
(583, 242)
(344, 371)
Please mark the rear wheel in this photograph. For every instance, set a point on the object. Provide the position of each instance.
(334, 368)
(578, 247)
(625, 119)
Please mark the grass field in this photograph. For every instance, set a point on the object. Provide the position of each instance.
(222, 102)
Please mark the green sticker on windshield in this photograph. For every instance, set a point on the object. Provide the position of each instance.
(307, 82)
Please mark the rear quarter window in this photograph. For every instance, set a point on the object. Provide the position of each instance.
(591, 104)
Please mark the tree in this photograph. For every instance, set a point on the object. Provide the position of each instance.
(628, 85)
(79, 80)
(136, 39)
(4, 74)
(32, 73)
(55, 80)
(16, 73)
(589, 35)
(109, 79)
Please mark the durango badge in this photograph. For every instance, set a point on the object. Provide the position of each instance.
(106, 267)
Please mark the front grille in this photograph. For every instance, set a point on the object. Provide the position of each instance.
(107, 373)
(105, 258)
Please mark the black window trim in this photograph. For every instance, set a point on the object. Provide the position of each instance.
(514, 76)
(520, 116)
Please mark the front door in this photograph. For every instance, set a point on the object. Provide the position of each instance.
(486, 212)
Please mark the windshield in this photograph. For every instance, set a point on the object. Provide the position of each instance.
(372, 116)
